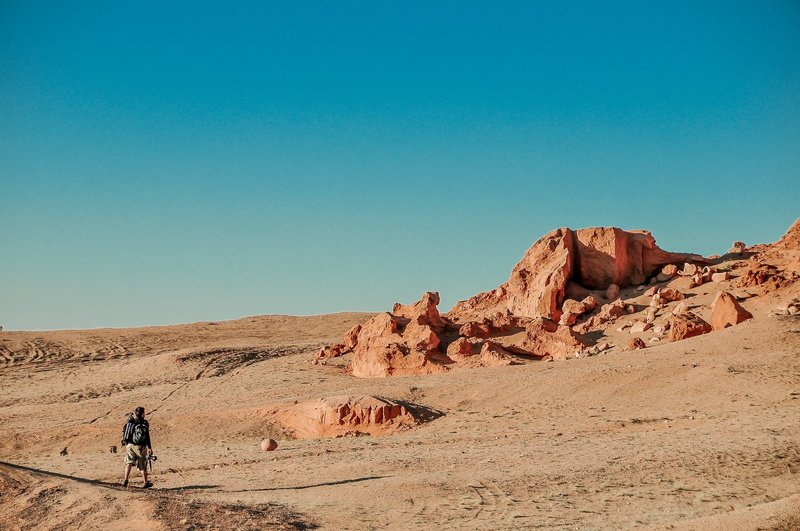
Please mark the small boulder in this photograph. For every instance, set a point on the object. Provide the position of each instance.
(687, 325)
(671, 294)
(680, 309)
(689, 269)
(682, 283)
(635, 344)
(640, 326)
(720, 277)
(268, 445)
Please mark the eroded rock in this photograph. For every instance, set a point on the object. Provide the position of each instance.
(687, 325)
(727, 312)
(346, 415)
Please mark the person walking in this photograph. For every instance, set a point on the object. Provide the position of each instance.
(136, 441)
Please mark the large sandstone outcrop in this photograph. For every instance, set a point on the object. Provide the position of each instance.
(594, 258)
(520, 317)
(346, 415)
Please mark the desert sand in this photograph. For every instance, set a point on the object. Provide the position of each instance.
(701, 433)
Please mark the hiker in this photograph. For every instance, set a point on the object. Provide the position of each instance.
(136, 441)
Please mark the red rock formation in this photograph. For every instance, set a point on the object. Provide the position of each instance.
(423, 312)
(790, 240)
(593, 258)
(542, 338)
(460, 349)
(493, 355)
(520, 315)
(344, 415)
(687, 325)
(727, 312)
(635, 344)
(766, 276)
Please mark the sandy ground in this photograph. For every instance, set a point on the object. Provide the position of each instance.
(698, 434)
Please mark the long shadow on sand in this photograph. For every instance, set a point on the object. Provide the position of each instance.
(301, 487)
(79, 479)
(117, 486)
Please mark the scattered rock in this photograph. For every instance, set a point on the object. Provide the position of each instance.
(268, 445)
(680, 309)
(727, 312)
(635, 343)
(687, 325)
(113, 449)
(640, 326)
(671, 294)
(668, 272)
(720, 277)
(766, 276)
(689, 270)
(682, 283)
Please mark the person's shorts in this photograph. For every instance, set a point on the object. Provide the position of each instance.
(136, 455)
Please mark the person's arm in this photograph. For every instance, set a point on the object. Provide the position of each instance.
(147, 440)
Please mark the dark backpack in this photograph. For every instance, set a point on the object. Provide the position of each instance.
(139, 435)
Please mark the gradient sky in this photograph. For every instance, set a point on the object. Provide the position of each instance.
(166, 162)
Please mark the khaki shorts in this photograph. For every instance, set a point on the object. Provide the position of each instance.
(136, 455)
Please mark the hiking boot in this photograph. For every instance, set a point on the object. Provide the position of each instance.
(147, 485)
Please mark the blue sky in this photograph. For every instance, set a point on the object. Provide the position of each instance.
(204, 161)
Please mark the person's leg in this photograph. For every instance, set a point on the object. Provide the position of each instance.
(142, 465)
(128, 467)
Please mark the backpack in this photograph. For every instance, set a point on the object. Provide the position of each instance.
(139, 435)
